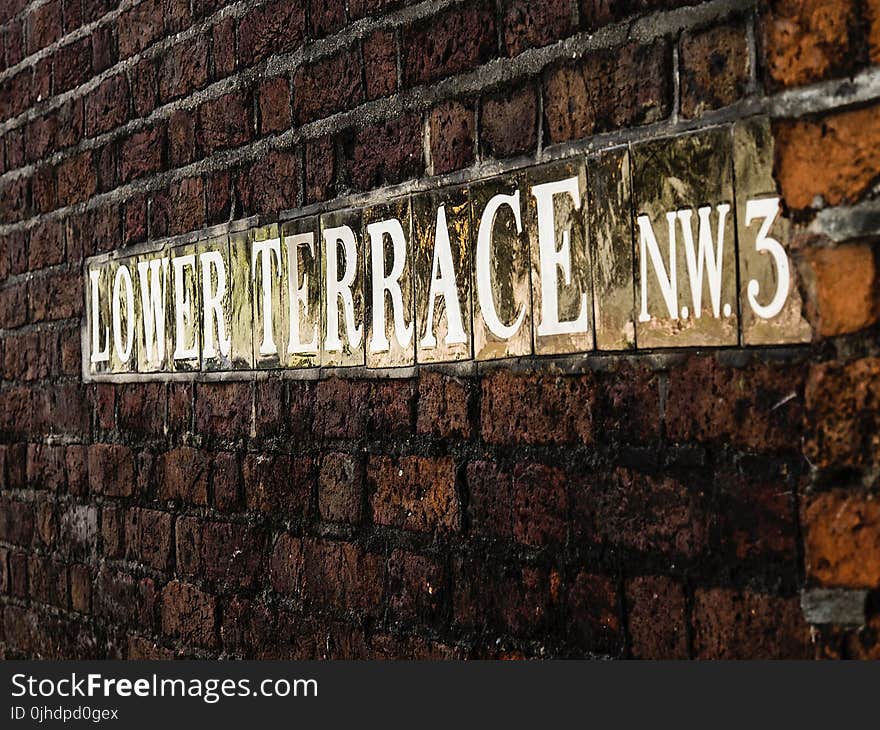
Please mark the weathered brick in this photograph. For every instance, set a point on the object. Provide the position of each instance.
(623, 87)
(714, 68)
(285, 565)
(223, 47)
(183, 69)
(843, 413)
(274, 98)
(141, 154)
(443, 405)
(640, 512)
(842, 539)
(144, 83)
(81, 588)
(270, 184)
(326, 17)
(139, 27)
(535, 409)
(124, 599)
(340, 486)
(835, 158)
(320, 164)
(846, 288)
(277, 482)
(509, 123)
(224, 122)
(327, 86)
(106, 106)
(758, 407)
(111, 470)
(179, 208)
(233, 553)
(76, 179)
(184, 475)
(72, 65)
(593, 605)
(44, 25)
(148, 537)
(745, 625)
(104, 53)
(533, 24)
(540, 505)
(181, 138)
(451, 128)
(415, 493)
(276, 27)
(454, 41)
(807, 40)
(389, 153)
(46, 245)
(380, 64)
(656, 610)
(341, 574)
(226, 482)
(189, 613)
(416, 586)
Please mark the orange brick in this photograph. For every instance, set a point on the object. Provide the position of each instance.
(845, 288)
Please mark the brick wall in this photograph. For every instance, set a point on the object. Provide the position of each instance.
(674, 504)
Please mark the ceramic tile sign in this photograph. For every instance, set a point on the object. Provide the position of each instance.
(668, 243)
(685, 252)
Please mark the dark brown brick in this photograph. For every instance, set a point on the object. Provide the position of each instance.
(330, 85)
(509, 123)
(452, 128)
(387, 154)
(183, 69)
(141, 154)
(274, 98)
(148, 537)
(340, 486)
(106, 106)
(276, 27)
(178, 209)
(139, 27)
(714, 68)
(224, 122)
(533, 24)
(657, 618)
(380, 64)
(189, 613)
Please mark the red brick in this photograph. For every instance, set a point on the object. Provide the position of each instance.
(47, 581)
(320, 172)
(594, 609)
(142, 408)
(845, 279)
(106, 106)
(227, 486)
(224, 122)
(139, 27)
(745, 625)
(148, 537)
(758, 407)
(270, 184)
(540, 505)
(43, 26)
(340, 486)
(14, 200)
(72, 65)
(276, 27)
(184, 475)
(443, 405)
(141, 154)
(144, 83)
(872, 12)
(358, 9)
(181, 138)
(224, 409)
(278, 483)
(124, 599)
(416, 586)
(18, 574)
(490, 499)
(714, 68)
(534, 409)
(629, 403)
(274, 105)
(285, 566)
(454, 41)
(233, 553)
(835, 157)
(415, 493)
(656, 514)
(190, 614)
(80, 588)
(451, 128)
(534, 24)
(223, 48)
(218, 193)
(71, 122)
(13, 306)
(111, 470)
(606, 90)
(269, 410)
(392, 407)
(76, 179)
(46, 245)
(104, 53)
(341, 408)
(177, 15)
(656, 611)
(509, 123)
(16, 522)
(183, 69)
(380, 64)
(842, 539)
(386, 154)
(342, 575)
(178, 209)
(328, 86)
(112, 531)
(843, 413)
(807, 40)
(326, 17)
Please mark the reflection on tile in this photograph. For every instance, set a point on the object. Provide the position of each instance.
(610, 226)
(124, 320)
(388, 301)
(270, 322)
(301, 249)
(216, 274)
(770, 301)
(555, 214)
(686, 288)
(183, 319)
(342, 276)
(241, 309)
(500, 274)
(100, 336)
(441, 226)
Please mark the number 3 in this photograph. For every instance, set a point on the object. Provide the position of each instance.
(768, 209)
